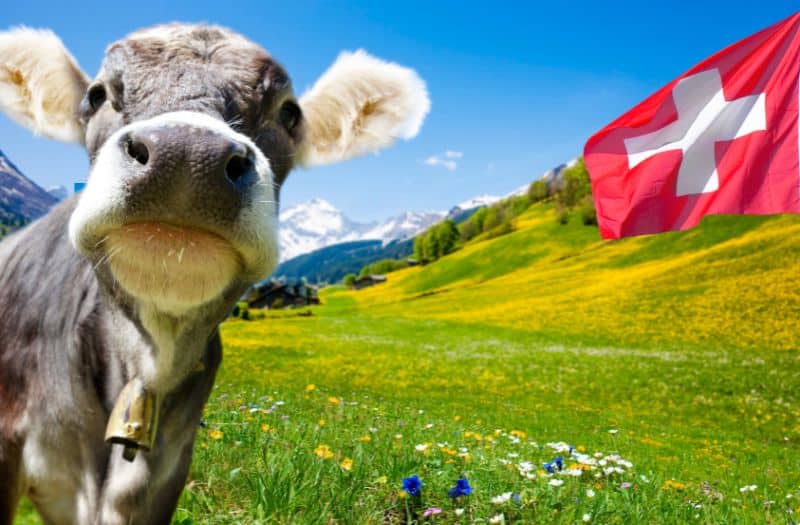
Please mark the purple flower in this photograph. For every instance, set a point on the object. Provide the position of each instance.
(412, 485)
(462, 488)
(626, 484)
(431, 512)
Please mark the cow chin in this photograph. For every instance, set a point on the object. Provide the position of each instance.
(174, 268)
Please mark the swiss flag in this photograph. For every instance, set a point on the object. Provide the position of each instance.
(721, 138)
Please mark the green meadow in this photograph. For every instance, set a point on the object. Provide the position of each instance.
(660, 373)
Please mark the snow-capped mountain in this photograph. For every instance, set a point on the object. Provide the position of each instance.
(403, 226)
(317, 223)
(20, 198)
(476, 202)
(59, 192)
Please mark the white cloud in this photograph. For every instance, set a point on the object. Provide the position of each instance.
(448, 160)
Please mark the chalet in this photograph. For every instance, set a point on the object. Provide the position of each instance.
(281, 294)
(365, 281)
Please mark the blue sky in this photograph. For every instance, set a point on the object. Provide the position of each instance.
(516, 87)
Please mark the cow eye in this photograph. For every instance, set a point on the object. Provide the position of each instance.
(289, 116)
(96, 96)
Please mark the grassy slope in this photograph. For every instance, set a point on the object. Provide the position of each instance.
(732, 283)
(685, 344)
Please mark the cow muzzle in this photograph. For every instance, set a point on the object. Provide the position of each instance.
(178, 207)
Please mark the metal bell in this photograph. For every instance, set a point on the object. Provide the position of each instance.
(134, 419)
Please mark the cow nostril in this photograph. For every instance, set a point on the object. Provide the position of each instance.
(237, 167)
(137, 150)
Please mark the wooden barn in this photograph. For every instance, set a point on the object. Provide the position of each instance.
(281, 294)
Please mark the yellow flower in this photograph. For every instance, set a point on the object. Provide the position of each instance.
(265, 427)
(518, 433)
(402, 494)
(672, 484)
(383, 480)
(457, 418)
(321, 422)
(366, 438)
(334, 400)
(215, 434)
(323, 451)
(311, 387)
(347, 464)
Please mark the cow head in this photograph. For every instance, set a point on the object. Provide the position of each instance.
(190, 131)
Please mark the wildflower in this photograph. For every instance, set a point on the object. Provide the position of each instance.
(626, 485)
(264, 427)
(215, 434)
(398, 436)
(334, 400)
(321, 422)
(459, 512)
(589, 493)
(311, 387)
(559, 461)
(422, 447)
(518, 434)
(462, 488)
(323, 451)
(505, 497)
(613, 431)
(586, 518)
(412, 485)
(347, 464)
(431, 512)
(382, 480)
(457, 419)
(366, 438)
(748, 488)
(672, 484)
(499, 518)
(556, 482)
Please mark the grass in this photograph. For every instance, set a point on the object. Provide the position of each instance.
(673, 358)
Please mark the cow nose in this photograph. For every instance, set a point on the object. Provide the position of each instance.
(200, 154)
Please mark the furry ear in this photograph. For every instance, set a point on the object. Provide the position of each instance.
(41, 84)
(361, 104)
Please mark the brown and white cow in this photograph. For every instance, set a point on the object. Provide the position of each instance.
(190, 131)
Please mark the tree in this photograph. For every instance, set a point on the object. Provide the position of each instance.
(430, 245)
(538, 191)
(349, 280)
(446, 233)
(575, 187)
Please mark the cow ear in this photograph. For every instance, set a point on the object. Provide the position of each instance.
(41, 84)
(360, 105)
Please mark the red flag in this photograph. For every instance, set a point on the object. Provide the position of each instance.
(720, 139)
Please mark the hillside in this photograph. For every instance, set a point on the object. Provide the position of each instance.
(21, 200)
(732, 282)
(331, 263)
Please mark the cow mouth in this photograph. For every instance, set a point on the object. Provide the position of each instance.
(173, 266)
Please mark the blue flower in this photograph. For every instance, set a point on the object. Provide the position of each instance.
(412, 485)
(559, 461)
(462, 488)
(549, 467)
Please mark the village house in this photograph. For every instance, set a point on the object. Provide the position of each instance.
(274, 293)
(365, 281)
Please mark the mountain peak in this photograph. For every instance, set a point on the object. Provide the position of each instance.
(19, 196)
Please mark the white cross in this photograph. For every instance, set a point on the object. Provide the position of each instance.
(704, 118)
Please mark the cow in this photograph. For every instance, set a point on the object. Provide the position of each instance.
(116, 293)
